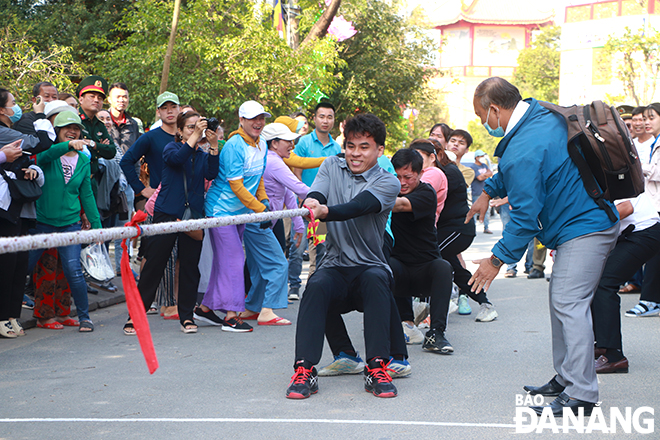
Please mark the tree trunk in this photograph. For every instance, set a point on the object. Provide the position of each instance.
(170, 47)
(320, 28)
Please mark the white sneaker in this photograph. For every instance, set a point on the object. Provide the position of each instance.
(412, 334)
(487, 313)
(420, 311)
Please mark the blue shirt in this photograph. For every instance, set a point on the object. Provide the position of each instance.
(310, 146)
(238, 160)
(151, 146)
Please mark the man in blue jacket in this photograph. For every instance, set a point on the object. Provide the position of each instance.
(548, 201)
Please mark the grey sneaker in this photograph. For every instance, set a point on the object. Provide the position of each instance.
(421, 311)
(343, 364)
(487, 313)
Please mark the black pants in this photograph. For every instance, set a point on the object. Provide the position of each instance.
(432, 279)
(451, 244)
(159, 250)
(334, 289)
(13, 268)
(630, 253)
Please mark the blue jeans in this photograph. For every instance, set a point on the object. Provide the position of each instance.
(296, 259)
(70, 257)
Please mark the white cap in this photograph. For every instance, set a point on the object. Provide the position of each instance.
(252, 109)
(53, 107)
(278, 131)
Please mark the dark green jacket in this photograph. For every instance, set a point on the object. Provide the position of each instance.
(96, 131)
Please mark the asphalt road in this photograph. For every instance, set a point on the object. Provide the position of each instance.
(213, 384)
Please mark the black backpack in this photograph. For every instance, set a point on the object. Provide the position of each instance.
(601, 147)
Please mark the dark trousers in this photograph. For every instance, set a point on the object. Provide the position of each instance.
(13, 268)
(431, 279)
(160, 248)
(630, 253)
(451, 244)
(365, 288)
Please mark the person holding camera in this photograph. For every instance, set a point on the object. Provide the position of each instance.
(185, 166)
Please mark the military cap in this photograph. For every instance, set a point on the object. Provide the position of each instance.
(92, 83)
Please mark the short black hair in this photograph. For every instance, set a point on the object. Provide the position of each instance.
(117, 85)
(497, 91)
(36, 90)
(462, 133)
(444, 128)
(408, 156)
(655, 107)
(638, 111)
(4, 97)
(324, 104)
(366, 124)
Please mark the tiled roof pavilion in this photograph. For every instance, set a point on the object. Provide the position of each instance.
(499, 12)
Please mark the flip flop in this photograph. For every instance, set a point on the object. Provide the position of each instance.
(70, 322)
(276, 321)
(252, 317)
(175, 316)
(50, 325)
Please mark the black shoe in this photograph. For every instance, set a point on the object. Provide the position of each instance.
(294, 293)
(552, 388)
(377, 380)
(564, 401)
(304, 382)
(92, 290)
(236, 324)
(208, 317)
(535, 273)
(436, 342)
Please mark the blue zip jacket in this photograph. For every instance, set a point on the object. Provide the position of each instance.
(544, 187)
(198, 166)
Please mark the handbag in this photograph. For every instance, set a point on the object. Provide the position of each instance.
(188, 214)
(22, 191)
(96, 264)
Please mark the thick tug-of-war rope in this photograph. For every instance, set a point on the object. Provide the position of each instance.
(47, 241)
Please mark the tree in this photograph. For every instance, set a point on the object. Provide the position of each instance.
(22, 65)
(481, 140)
(639, 64)
(224, 54)
(537, 74)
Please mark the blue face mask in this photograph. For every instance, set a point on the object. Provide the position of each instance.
(17, 114)
(498, 132)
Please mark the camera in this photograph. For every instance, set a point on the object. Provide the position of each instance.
(212, 124)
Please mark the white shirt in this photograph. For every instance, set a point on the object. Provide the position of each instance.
(644, 149)
(516, 116)
(644, 214)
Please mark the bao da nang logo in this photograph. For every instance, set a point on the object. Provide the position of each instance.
(626, 420)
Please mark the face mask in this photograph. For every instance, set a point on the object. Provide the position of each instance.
(498, 132)
(17, 114)
(86, 152)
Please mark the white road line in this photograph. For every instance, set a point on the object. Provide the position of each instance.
(232, 420)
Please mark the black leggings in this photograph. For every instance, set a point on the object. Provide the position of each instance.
(451, 244)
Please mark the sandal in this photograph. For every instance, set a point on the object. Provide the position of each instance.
(250, 317)
(86, 326)
(70, 322)
(630, 288)
(129, 330)
(189, 327)
(6, 330)
(50, 325)
(644, 309)
(18, 328)
(152, 311)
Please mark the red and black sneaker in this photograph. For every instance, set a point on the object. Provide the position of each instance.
(304, 382)
(377, 380)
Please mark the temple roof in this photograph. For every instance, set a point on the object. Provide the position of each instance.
(509, 12)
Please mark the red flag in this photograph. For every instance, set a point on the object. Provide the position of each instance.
(134, 301)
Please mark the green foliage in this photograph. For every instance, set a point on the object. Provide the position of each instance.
(22, 65)
(639, 65)
(481, 140)
(222, 57)
(384, 66)
(537, 74)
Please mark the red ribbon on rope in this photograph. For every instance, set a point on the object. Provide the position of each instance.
(134, 300)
